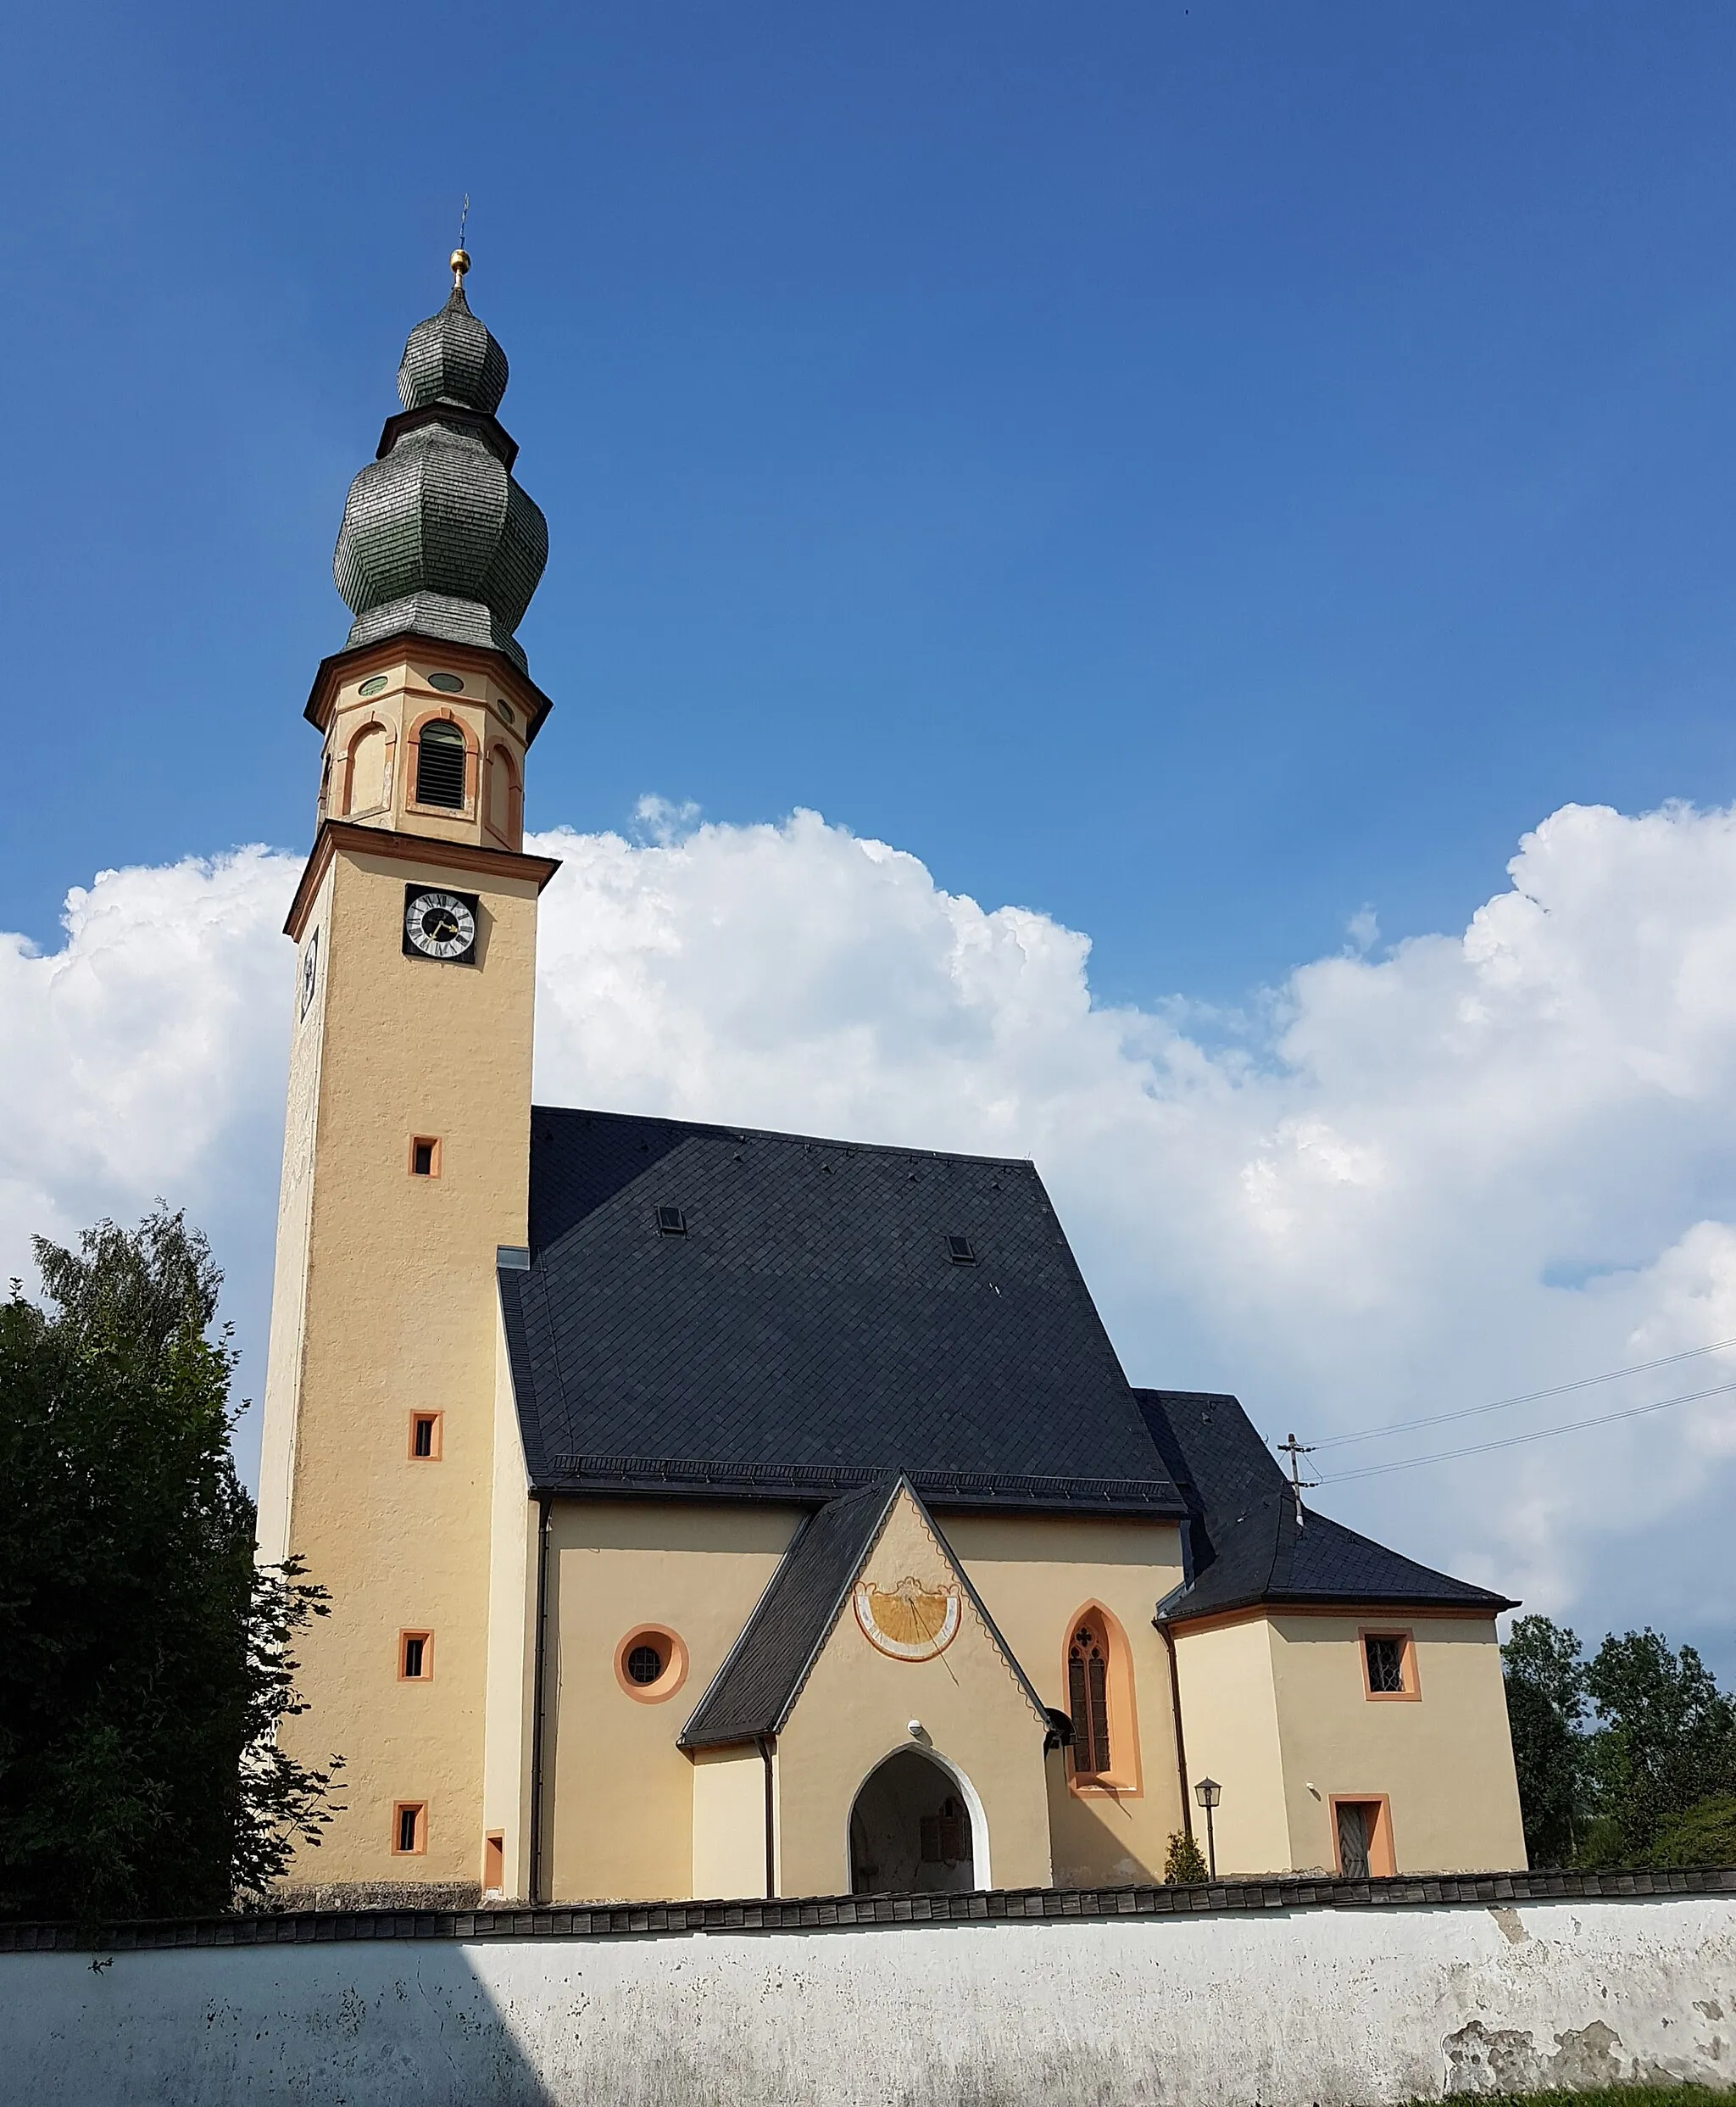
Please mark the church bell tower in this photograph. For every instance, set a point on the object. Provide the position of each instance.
(407, 1140)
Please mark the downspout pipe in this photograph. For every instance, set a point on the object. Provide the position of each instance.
(1161, 1624)
(540, 1681)
(767, 1743)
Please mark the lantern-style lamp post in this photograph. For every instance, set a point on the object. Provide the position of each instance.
(1209, 1792)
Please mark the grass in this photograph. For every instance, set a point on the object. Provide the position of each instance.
(1618, 2095)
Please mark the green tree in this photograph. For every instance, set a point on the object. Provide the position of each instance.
(1185, 1864)
(144, 1661)
(1705, 1835)
(1544, 1671)
(1665, 1738)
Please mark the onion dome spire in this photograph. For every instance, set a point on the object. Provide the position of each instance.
(438, 539)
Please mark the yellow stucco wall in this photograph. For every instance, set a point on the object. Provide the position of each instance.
(1230, 1719)
(398, 1296)
(619, 1794)
(511, 1666)
(368, 768)
(729, 1822)
(295, 1214)
(855, 1710)
(1035, 1574)
(1276, 1708)
(1445, 1762)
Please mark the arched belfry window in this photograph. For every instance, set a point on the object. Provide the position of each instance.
(1088, 1697)
(440, 765)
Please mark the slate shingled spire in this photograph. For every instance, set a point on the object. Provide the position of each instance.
(439, 540)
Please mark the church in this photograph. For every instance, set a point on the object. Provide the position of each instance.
(709, 1513)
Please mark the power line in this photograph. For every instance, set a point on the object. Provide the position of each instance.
(1542, 1434)
(1526, 1397)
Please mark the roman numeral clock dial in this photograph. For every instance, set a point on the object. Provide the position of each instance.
(439, 924)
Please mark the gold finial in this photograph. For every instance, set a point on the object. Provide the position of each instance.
(460, 257)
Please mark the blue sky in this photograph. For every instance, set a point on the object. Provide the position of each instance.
(1201, 473)
(1201, 470)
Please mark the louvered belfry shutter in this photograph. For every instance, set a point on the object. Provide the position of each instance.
(439, 766)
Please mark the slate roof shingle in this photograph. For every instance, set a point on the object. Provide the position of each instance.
(809, 1332)
(753, 1692)
(1248, 1543)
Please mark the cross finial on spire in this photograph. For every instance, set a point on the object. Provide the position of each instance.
(460, 258)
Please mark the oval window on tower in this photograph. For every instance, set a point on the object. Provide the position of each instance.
(439, 766)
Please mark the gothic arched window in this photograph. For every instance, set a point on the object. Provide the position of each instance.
(440, 765)
(1088, 1698)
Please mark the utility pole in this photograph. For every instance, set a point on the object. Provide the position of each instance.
(1296, 1450)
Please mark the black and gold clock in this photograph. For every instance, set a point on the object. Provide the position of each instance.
(440, 924)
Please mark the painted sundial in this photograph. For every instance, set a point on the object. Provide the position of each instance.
(910, 1621)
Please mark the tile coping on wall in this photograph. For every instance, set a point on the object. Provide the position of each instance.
(300, 1927)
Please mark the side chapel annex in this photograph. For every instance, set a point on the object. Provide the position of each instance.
(714, 1513)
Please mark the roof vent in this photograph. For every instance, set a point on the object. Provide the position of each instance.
(961, 1250)
(671, 1222)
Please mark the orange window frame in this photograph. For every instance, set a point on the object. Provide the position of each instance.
(1123, 1780)
(473, 765)
(1383, 1865)
(418, 1809)
(675, 1664)
(427, 1675)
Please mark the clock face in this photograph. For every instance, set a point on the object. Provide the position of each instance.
(310, 970)
(439, 924)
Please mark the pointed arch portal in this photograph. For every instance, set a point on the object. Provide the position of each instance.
(911, 1830)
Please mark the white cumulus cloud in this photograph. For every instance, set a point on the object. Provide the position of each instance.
(1420, 1178)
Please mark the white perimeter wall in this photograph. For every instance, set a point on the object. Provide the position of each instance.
(1284, 2008)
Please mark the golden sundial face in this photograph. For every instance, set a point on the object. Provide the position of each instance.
(911, 1621)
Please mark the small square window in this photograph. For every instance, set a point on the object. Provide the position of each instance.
(425, 1156)
(671, 1222)
(1387, 1662)
(961, 1250)
(415, 1656)
(494, 1862)
(409, 1828)
(424, 1437)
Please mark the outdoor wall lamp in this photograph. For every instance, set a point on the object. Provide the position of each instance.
(1209, 1792)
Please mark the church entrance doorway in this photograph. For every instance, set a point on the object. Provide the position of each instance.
(910, 1830)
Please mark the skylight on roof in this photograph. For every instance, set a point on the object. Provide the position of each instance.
(961, 1250)
(671, 1222)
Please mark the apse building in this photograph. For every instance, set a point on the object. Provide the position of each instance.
(714, 1513)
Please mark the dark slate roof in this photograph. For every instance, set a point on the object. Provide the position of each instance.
(809, 1332)
(1248, 1543)
(755, 1690)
